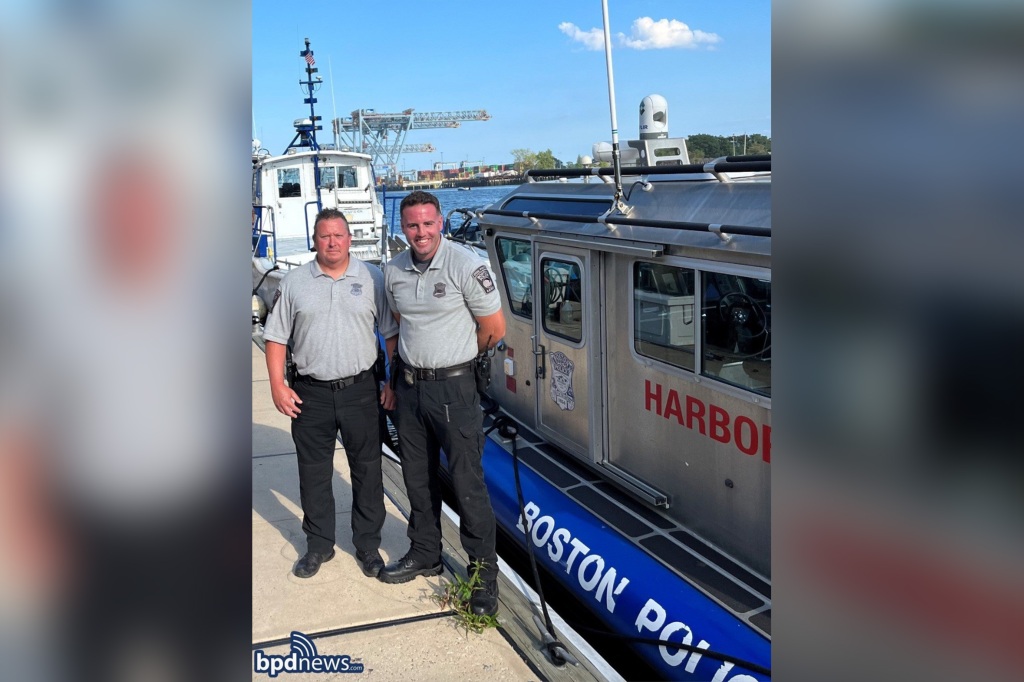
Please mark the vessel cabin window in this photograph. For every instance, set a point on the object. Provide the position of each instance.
(663, 313)
(737, 331)
(516, 262)
(562, 299)
(329, 177)
(288, 183)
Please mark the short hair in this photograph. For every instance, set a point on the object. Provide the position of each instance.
(417, 198)
(330, 214)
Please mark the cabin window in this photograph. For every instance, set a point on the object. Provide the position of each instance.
(516, 262)
(343, 177)
(562, 299)
(347, 177)
(737, 331)
(663, 313)
(327, 177)
(288, 183)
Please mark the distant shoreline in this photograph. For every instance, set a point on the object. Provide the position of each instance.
(451, 183)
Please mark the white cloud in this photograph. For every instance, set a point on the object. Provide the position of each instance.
(648, 34)
(592, 39)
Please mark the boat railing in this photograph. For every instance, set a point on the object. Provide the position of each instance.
(305, 215)
(260, 228)
(390, 211)
(754, 163)
(723, 231)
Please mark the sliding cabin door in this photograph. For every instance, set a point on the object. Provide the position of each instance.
(566, 347)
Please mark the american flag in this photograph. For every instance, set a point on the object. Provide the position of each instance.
(309, 58)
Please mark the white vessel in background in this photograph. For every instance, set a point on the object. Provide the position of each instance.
(290, 189)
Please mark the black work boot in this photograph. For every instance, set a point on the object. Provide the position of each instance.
(310, 562)
(484, 600)
(408, 568)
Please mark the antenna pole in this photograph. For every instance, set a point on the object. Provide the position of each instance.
(616, 161)
(334, 105)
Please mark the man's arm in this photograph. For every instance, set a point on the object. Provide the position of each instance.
(490, 330)
(387, 394)
(285, 399)
(390, 345)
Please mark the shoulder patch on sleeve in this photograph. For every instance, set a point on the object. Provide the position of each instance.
(483, 276)
(273, 304)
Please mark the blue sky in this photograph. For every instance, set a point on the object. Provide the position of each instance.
(527, 63)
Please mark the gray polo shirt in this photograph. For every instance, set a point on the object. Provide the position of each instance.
(439, 306)
(331, 322)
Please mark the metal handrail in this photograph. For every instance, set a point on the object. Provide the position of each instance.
(758, 163)
(714, 228)
(259, 230)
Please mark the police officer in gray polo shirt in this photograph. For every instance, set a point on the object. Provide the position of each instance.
(328, 309)
(449, 310)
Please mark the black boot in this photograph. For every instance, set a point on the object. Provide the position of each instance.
(484, 600)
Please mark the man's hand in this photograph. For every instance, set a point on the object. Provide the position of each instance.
(286, 400)
(387, 397)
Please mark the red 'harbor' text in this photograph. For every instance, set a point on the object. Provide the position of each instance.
(709, 420)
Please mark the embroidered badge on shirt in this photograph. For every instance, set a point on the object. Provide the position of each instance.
(357, 289)
(483, 275)
(439, 289)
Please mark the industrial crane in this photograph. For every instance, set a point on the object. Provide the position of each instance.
(383, 135)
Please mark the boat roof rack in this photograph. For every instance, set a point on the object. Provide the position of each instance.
(754, 163)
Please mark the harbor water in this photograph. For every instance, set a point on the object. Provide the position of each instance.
(475, 199)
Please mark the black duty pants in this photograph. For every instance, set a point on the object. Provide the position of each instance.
(353, 411)
(445, 414)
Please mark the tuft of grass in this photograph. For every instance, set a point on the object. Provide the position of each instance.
(455, 596)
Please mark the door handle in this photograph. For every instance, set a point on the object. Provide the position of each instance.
(538, 354)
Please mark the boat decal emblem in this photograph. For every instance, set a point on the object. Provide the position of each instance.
(439, 289)
(561, 381)
(482, 275)
(357, 289)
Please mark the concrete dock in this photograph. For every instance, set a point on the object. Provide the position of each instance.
(397, 632)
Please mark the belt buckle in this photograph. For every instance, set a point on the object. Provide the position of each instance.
(409, 375)
(428, 374)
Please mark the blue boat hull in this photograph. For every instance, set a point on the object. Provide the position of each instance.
(631, 591)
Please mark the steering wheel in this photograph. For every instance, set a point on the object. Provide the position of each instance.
(739, 308)
(555, 288)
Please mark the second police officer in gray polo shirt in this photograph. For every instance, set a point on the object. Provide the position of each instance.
(328, 309)
(449, 310)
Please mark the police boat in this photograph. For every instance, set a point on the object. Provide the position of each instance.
(628, 411)
(288, 191)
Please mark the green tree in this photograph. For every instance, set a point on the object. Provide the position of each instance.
(524, 159)
(545, 160)
(759, 144)
(704, 147)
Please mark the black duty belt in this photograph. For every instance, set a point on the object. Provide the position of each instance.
(338, 384)
(441, 372)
